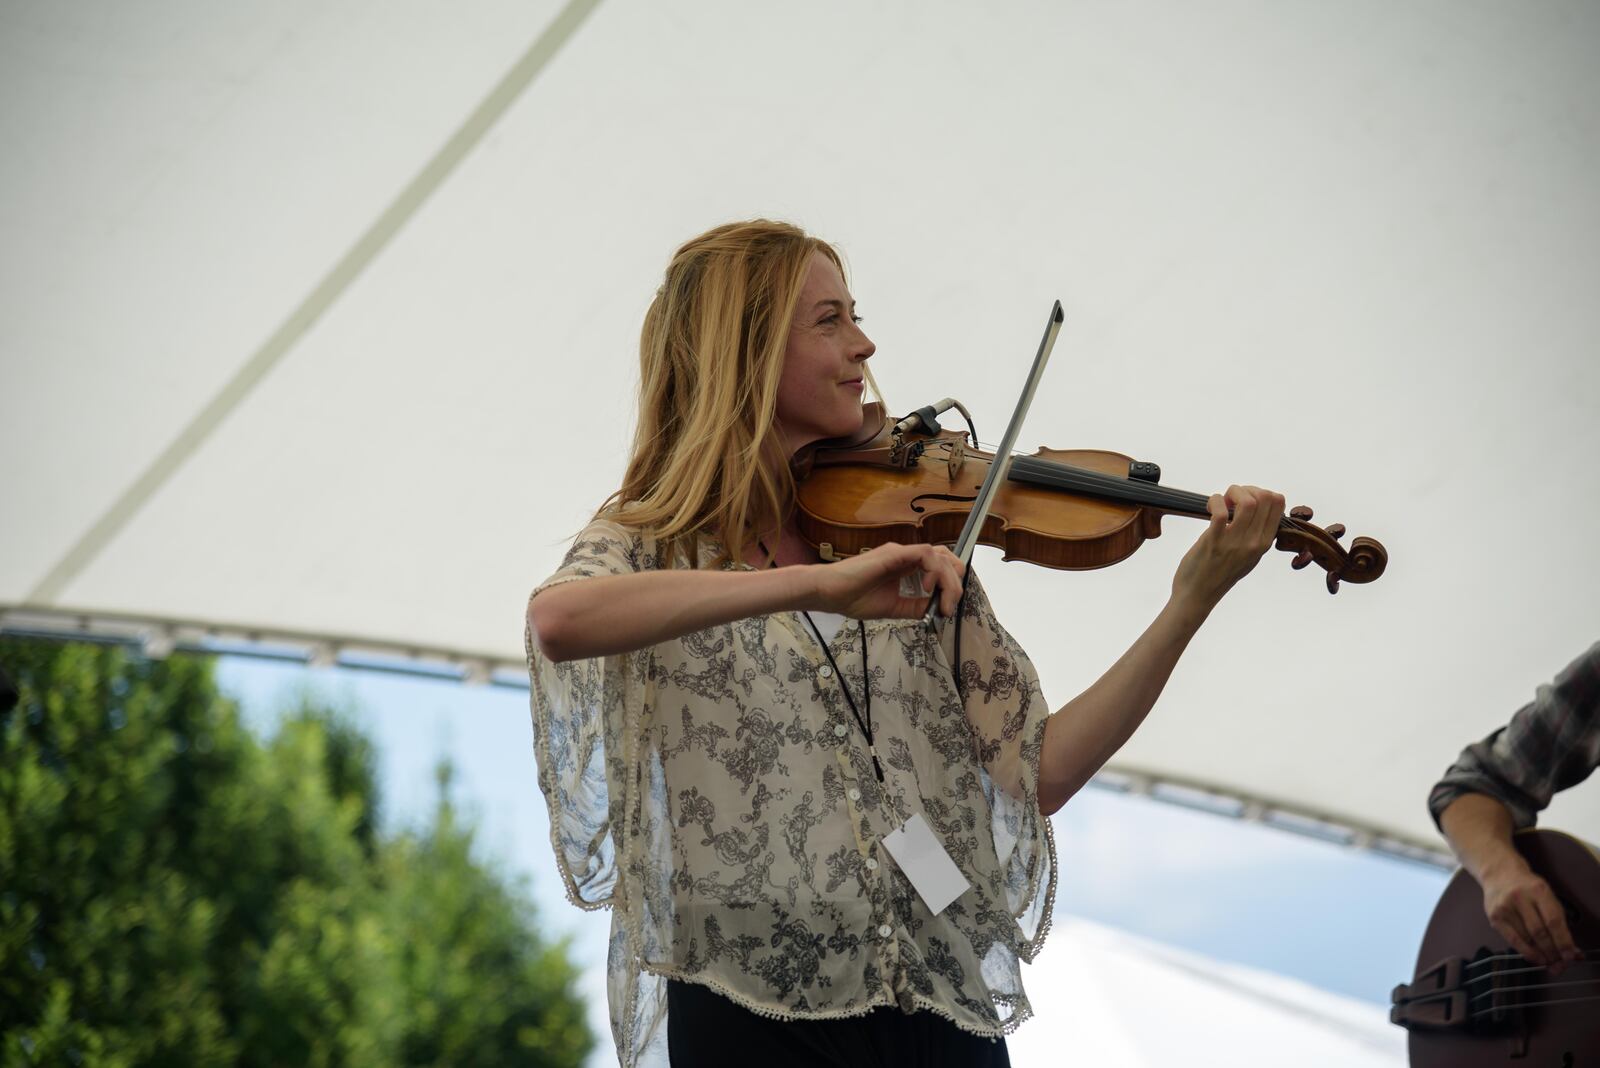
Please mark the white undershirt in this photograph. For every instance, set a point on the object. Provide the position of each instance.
(826, 624)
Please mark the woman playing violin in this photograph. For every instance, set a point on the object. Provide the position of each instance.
(730, 733)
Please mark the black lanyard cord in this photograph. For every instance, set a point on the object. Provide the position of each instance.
(955, 666)
(864, 722)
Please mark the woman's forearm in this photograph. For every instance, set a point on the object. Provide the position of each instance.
(1085, 732)
(620, 613)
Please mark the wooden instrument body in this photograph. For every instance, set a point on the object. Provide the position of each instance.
(1030, 523)
(1548, 1021)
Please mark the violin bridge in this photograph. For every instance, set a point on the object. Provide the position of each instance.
(956, 460)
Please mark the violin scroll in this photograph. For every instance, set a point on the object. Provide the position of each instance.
(1362, 562)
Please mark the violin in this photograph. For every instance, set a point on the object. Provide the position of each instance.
(1071, 509)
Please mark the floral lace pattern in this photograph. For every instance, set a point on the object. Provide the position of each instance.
(716, 792)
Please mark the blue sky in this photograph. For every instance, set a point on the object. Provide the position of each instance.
(1343, 920)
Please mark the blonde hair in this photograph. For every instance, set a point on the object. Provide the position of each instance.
(707, 456)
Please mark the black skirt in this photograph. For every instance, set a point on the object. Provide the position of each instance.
(706, 1030)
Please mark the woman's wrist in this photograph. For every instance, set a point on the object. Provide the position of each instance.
(782, 589)
(802, 589)
(1187, 611)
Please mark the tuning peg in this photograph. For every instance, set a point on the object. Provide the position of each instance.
(1333, 582)
(1336, 531)
(1300, 512)
(1301, 559)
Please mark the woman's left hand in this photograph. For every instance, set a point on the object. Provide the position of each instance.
(1230, 547)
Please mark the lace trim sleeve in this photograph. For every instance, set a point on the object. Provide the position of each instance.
(1006, 709)
(580, 711)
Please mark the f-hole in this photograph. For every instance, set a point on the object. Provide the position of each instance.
(915, 507)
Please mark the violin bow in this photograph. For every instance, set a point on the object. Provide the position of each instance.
(1002, 462)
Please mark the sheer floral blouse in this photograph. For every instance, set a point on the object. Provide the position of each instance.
(717, 793)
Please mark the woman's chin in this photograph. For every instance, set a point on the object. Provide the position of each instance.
(847, 424)
(850, 425)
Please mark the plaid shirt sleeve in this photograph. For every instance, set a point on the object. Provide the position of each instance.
(1550, 744)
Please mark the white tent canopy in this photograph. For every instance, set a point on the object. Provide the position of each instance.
(1117, 1001)
(318, 321)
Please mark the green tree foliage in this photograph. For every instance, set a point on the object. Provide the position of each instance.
(175, 892)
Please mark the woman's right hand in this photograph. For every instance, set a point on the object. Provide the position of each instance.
(619, 613)
(869, 585)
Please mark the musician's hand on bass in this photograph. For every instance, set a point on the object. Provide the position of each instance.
(1523, 909)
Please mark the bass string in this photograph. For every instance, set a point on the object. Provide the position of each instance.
(1588, 954)
(1537, 968)
(1532, 1005)
(1479, 980)
(1515, 988)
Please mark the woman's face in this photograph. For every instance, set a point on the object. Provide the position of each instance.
(819, 391)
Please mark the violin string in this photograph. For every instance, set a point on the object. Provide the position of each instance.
(1096, 479)
(1063, 476)
(1182, 499)
(1096, 476)
(1117, 487)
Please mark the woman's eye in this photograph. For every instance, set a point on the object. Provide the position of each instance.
(858, 319)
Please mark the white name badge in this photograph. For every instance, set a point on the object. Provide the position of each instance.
(932, 873)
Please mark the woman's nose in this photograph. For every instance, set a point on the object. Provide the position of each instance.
(865, 347)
